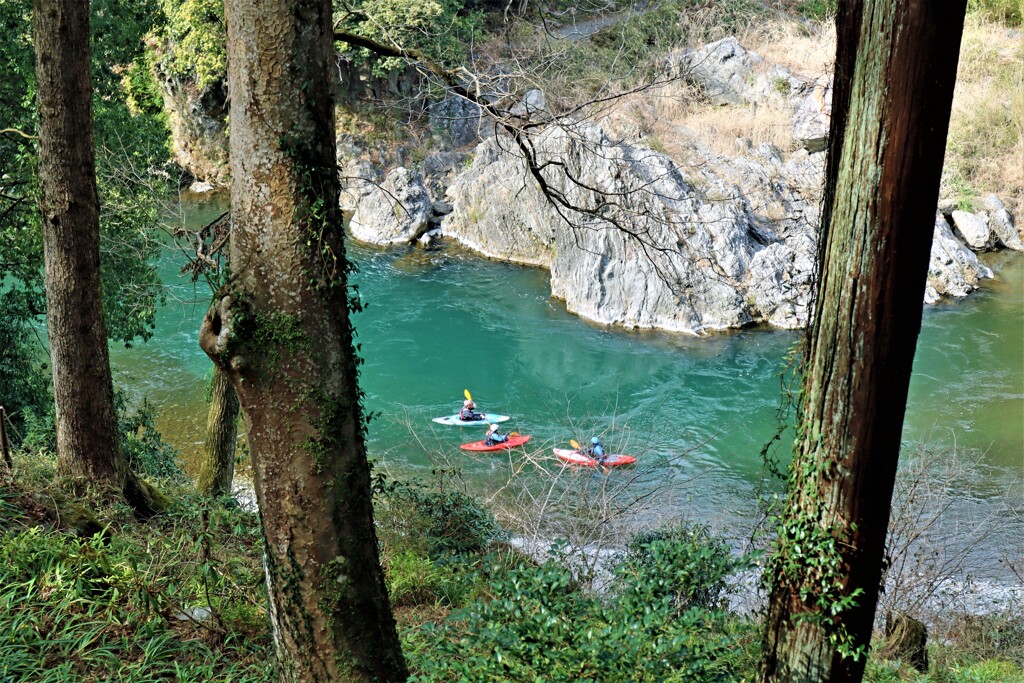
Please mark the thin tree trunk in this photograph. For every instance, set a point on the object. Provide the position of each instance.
(281, 331)
(88, 444)
(5, 448)
(217, 469)
(881, 191)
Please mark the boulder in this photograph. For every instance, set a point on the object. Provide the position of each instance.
(730, 74)
(532, 104)
(440, 169)
(702, 243)
(201, 187)
(953, 269)
(813, 116)
(1001, 223)
(973, 229)
(396, 211)
(457, 119)
(359, 178)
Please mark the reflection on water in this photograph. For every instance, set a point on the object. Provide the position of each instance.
(442, 322)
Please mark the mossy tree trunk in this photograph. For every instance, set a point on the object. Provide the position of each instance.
(217, 469)
(896, 66)
(88, 444)
(281, 332)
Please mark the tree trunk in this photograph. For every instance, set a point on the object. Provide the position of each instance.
(281, 331)
(881, 191)
(88, 444)
(6, 464)
(217, 469)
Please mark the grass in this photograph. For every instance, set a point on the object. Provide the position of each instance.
(111, 605)
(985, 148)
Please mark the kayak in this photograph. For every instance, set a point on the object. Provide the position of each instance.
(512, 442)
(583, 460)
(486, 418)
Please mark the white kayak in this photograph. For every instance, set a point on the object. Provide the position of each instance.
(485, 418)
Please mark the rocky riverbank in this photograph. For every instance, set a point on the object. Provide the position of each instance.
(692, 242)
(642, 223)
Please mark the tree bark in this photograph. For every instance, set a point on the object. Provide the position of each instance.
(88, 444)
(5, 461)
(281, 331)
(217, 469)
(881, 191)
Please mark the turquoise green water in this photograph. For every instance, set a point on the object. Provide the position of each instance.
(442, 322)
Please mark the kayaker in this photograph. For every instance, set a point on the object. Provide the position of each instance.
(468, 412)
(596, 450)
(494, 436)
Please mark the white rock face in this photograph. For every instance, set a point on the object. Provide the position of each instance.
(953, 270)
(730, 73)
(697, 243)
(813, 116)
(974, 230)
(1001, 223)
(696, 254)
(708, 244)
(458, 119)
(395, 212)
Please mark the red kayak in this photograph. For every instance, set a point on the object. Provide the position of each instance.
(583, 460)
(512, 442)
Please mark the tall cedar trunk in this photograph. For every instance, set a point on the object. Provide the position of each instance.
(217, 469)
(281, 331)
(88, 446)
(897, 62)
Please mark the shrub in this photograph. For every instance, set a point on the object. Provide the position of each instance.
(148, 454)
(416, 580)
(1009, 12)
(412, 516)
(684, 562)
(535, 624)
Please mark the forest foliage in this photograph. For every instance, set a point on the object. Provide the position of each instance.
(119, 601)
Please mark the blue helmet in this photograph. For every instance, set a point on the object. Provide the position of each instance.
(595, 441)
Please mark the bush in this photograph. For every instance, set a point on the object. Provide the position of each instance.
(147, 452)
(684, 562)
(534, 624)
(1009, 12)
(436, 523)
(415, 580)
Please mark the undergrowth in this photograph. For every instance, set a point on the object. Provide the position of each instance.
(177, 598)
(182, 597)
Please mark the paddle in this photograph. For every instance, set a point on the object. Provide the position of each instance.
(469, 397)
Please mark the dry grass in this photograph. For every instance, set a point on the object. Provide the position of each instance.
(721, 127)
(985, 150)
(669, 118)
(805, 48)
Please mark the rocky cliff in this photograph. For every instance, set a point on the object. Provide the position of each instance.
(698, 242)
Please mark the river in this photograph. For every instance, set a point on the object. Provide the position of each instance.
(696, 412)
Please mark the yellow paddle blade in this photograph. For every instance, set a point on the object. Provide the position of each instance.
(513, 434)
(466, 393)
(575, 444)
